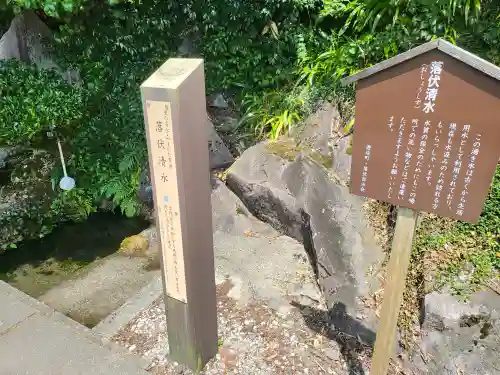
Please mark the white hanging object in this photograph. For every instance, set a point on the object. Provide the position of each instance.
(66, 183)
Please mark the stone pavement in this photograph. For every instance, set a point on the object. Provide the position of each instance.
(36, 340)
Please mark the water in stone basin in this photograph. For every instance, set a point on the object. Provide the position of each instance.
(36, 266)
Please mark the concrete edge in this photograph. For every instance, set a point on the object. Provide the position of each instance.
(59, 318)
(107, 328)
(118, 319)
(42, 308)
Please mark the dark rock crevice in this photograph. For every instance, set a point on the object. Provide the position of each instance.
(268, 207)
(298, 197)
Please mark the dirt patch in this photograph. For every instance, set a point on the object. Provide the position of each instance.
(255, 339)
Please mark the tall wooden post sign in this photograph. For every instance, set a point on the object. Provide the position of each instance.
(175, 115)
(426, 138)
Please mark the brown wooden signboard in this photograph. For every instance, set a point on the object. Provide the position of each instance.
(427, 135)
(175, 115)
(426, 138)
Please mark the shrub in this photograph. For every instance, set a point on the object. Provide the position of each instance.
(33, 102)
(115, 50)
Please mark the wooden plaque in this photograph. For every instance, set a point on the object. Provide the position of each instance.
(161, 135)
(427, 136)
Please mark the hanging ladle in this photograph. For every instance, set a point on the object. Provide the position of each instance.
(66, 183)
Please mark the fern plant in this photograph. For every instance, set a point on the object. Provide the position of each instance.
(363, 14)
(123, 187)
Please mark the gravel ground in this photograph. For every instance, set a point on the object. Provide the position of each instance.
(255, 340)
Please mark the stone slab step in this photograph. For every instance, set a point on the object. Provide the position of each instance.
(37, 340)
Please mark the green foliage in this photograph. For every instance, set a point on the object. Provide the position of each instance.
(54, 8)
(266, 110)
(115, 50)
(485, 249)
(388, 14)
(32, 205)
(277, 59)
(74, 205)
(33, 101)
(239, 53)
(359, 33)
(377, 30)
(6, 16)
(51, 7)
(464, 248)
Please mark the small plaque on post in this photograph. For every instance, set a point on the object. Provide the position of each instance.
(167, 196)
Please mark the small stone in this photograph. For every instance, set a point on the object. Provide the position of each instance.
(332, 354)
(227, 124)
(228, 356)
(132, 348)
(219, 102)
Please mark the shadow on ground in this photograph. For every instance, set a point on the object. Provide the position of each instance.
(351, 335)
(37, 265)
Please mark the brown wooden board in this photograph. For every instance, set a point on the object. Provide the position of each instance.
(427, 136)
(175, 116)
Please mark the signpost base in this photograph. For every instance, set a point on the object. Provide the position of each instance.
(184, 343)
(397, 270)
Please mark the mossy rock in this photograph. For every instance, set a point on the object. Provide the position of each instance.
(26, 201)
(136, 245)
(288, 149)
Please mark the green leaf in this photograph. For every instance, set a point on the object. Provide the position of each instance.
(349, 126)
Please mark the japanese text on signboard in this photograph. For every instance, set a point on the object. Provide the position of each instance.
(414, 147)
(162, 151)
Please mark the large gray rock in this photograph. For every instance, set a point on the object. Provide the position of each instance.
(459, 337)
(219, 154)
(188, 47)
(217, 100)
(4, 154)
(230, 216)
(297, 196)
(323, 132)
(317, 131)
(27, 40)
(261, 263)
(342, 159)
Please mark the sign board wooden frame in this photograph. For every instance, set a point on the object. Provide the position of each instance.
(427, 131)
(174, 106)
(425, 139)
